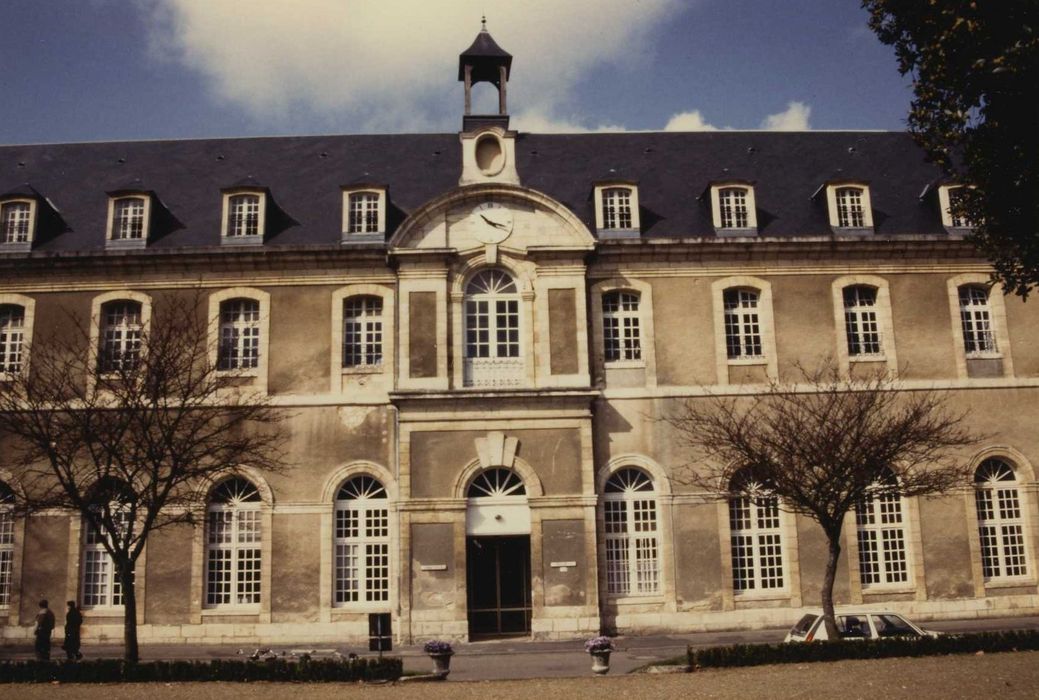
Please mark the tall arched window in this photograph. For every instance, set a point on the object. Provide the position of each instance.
(239, 334)
(12, 337)
(756, 535)
(742, 323)
(492, 330)
(880, 522)
(362, 542)
(1001, 522)
(101, 585)
(632, 534)
(621, 334)
(860, 321)
(6, 543)
(120, 336)
(362, 331)
(234, 533)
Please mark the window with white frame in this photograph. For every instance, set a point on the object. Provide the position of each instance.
(1001, 520)
(617, 208)
(742, 323)
(630, 525)
(363, 212)
(12, 337)
(362, 331)
(733, 209)
(16, 222)
(243, 216)
(128, 219)
(362, 542)
(6, 543)
(851, 207)
(621, 332)
(861, 326)
(880, 523)
(234, 535)
(120, 336)
(756, 536)
(101, 585)
(950, 199)
(239, 347)
(492, 330)
(976, 321)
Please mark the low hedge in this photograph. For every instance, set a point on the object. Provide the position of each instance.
(760, 654)
(116, 671)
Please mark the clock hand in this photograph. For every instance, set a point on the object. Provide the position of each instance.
(495, 224)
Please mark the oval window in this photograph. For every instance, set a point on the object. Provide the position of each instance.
(490, 157)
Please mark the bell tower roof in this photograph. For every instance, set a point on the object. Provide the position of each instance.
(485, 57)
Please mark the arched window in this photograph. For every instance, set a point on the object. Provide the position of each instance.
(880, 522)
(860, 321)
(362, 331)
(621, 334)
(362, 542)
(239, 334)
(120, 336)
(976, 321)
(101, 586)
(1001, 522)
(492, 330)
(12, 337)
(6, 543)
(756, 535)
(632, 534)
(742, 323)
(234, 533)
(496, 483)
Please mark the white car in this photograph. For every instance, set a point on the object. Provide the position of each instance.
(852, 624)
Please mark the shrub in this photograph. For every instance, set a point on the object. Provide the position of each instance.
(759, 654)
(114, 671)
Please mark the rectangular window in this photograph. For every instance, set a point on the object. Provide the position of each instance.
(851, 212)
(616, 208)
(101, 586)
(883, 556)
(976, 320)
(732, 203)
(15, 222)
(362, 331)
(243, 215)
(12, 337)
(362, 553)
(860, 321)
(363, 216)
(239, 335)
(620, 327)
(742, 326)
(120, 336)
(128, 222)
(233, 556)
(756, 543)
(6, 545)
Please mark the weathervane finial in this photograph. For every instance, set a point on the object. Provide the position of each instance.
(483, 23)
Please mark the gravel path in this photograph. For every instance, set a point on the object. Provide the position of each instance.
(1006, 676)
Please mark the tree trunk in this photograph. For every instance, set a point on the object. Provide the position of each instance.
(834, 541)
(131, 652)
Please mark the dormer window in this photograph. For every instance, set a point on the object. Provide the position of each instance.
(849, 207)
(244, 217)
(17, 223)
(733, 209)
(950, 198)
(364, 213)
(128, 218)
(617, 208)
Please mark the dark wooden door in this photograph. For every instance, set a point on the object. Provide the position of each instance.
(498, 585)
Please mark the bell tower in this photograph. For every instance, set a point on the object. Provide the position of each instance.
(485, 61)
(488, 147)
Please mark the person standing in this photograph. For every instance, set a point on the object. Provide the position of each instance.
(44, 627)
(73, 621)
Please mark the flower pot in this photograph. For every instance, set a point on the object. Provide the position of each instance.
(600, 662)
(442, 664)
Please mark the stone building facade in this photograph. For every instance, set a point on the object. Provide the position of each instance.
(476, 334)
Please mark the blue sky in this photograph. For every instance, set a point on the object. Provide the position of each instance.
(85, 70)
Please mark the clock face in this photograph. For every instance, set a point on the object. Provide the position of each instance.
(492, 222)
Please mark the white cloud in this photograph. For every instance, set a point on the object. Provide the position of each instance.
(688, 121)
(388, 63)
(535, 121)
(794, 118)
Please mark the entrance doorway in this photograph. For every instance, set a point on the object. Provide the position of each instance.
(498, 585)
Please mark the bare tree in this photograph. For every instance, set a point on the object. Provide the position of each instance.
(125, 433)
(823, 446)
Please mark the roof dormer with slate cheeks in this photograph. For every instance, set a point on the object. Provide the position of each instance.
(26, 219)
(250, 216)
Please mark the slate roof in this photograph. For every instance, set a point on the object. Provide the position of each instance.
(304, 176)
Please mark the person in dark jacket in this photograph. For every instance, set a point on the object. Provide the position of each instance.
(44, 627)
(73, 621)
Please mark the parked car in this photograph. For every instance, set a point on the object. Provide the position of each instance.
(854, 624)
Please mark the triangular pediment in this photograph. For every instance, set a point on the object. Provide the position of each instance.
(510, 217)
